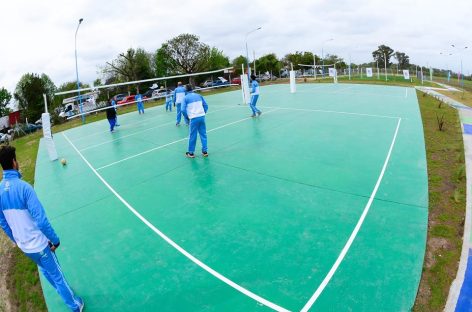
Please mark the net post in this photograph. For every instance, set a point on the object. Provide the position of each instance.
(293, 86)
(47, 135)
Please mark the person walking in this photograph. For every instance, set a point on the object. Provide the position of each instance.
(254, 96)
(111, 116)
(194, 108)
(139, 102)
(169, 101)
(113, 103)
(179, 94)
(23, 219)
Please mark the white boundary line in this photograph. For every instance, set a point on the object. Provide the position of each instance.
(175, 245)
(351, 239)
(333, 112)
(176, 141)
(147, 129)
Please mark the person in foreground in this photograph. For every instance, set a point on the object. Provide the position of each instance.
(23, 219)
(194, 108)
(254, 96)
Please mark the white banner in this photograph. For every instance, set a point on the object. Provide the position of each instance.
(332, 72)
(406, 74)
(50, 146)
(245, 89)
(368, 72)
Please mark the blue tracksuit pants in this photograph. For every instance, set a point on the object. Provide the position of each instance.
(179, 114)
(169, 106)
(140, 107)
(252, 104)
(197, 125)
(49, 266)
(112, 123)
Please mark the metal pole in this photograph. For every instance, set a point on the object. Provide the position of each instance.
(314, 65)
(385, 60)
(247, 53)
(77, 73)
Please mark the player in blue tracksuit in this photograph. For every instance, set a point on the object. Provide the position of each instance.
(113, 103)
(169, 101)
(194, 108)
(254, 96)
(23, 219)
(179, 94)
(139, 102)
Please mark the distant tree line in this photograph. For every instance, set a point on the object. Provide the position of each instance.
(183, 54)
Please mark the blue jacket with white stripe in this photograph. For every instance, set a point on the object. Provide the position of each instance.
(22, 216)
(194, 105)
(179, 94)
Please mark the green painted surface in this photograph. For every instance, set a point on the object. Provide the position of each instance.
(270, 209)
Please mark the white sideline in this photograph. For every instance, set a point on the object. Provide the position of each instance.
(147, 129)
(175, 245)
(351, 239)
(176, 141)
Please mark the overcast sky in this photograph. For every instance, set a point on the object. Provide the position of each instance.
(38, 36)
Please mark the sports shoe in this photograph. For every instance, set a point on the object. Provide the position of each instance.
(253, 115)
(190, 155)
(205, 154)
(81, 305)
(177, 124)
(259, 113)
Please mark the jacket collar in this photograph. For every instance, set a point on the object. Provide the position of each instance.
(11, 174)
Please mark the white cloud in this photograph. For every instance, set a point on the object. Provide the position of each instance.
(38, 36)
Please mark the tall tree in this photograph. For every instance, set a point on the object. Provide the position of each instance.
(402, 59)
(383, 53)
(67, 86)
(298, 57)
(188, 54)
(237, 62)
(269, 63)
(29, 94)
(163, 64)
(217, 60)
(130, 66)
(5, 98)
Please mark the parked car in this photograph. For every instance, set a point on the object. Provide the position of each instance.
(148, 94)
(236, 80)
(119, 97)
(126, 99)
(206, 84)
(5, 138)
(159, 93)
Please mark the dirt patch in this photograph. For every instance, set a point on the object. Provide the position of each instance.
(6, 261)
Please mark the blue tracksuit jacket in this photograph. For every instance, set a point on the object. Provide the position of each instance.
(22, 216)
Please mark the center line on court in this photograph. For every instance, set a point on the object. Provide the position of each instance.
(174, 244)
(176, 141)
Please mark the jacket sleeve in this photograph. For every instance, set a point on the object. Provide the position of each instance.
(253, 87)
(183, 108)
(175, 95)
(6, 228)
(39, 215)
(205, 105)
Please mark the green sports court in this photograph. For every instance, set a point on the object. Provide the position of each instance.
(319, 204)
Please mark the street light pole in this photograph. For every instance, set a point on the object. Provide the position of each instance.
(247, 53)
(322, 56)
(77, 72)
(462, 74)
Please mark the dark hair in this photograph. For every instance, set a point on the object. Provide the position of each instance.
(253, 77)
(7, 155)
(189, 87)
